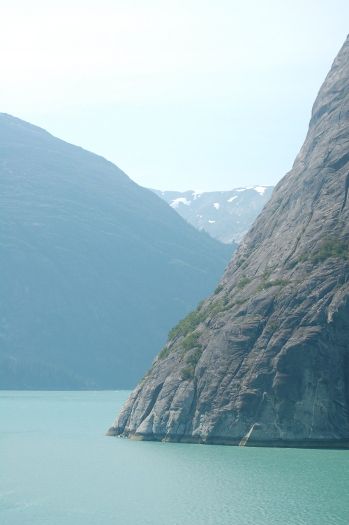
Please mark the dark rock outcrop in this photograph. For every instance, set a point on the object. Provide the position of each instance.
(265, 360)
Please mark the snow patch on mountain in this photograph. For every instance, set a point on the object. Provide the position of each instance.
(196, 194)
(180, 200)
(260, 189)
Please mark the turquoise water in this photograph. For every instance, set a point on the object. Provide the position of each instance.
(58, 468)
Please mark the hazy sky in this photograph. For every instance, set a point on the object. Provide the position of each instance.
(179, 94)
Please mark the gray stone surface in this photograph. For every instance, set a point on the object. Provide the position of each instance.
(265, 360)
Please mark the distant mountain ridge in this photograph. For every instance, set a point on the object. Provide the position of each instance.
(94, 268)
(225, 215)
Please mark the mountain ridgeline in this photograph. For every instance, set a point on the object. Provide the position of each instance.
(225, 215)
(94, 268)
(265, 360)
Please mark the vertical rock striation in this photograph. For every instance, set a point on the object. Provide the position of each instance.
(265, 360)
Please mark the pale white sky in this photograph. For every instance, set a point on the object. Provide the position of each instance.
(179, 94)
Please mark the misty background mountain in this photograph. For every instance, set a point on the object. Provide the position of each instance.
(225, 215)
(94, 269)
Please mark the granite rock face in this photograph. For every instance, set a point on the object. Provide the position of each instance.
(265, 360)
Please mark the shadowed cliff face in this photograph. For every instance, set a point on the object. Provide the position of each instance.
(266, 359)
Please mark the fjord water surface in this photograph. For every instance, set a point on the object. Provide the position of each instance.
(57, 467)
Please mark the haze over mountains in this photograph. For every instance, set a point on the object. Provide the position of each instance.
(94, 268)
(225, 215)
(265, 359)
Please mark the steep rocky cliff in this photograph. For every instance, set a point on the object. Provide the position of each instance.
(265, 360)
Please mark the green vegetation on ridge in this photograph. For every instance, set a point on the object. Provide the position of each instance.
(328, 248)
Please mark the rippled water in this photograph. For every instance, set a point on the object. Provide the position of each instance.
(58, 468)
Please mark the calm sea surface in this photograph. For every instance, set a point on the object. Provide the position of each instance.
(58, 468)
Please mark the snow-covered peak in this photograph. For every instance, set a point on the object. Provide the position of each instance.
(244, 189)
(226, 215)
(260, 189)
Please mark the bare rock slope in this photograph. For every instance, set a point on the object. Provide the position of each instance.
(265, 360)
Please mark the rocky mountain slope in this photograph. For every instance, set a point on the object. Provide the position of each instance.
(265, 360)
(94, 268)
(225, 215)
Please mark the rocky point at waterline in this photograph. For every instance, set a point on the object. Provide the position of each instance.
(265, 360)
